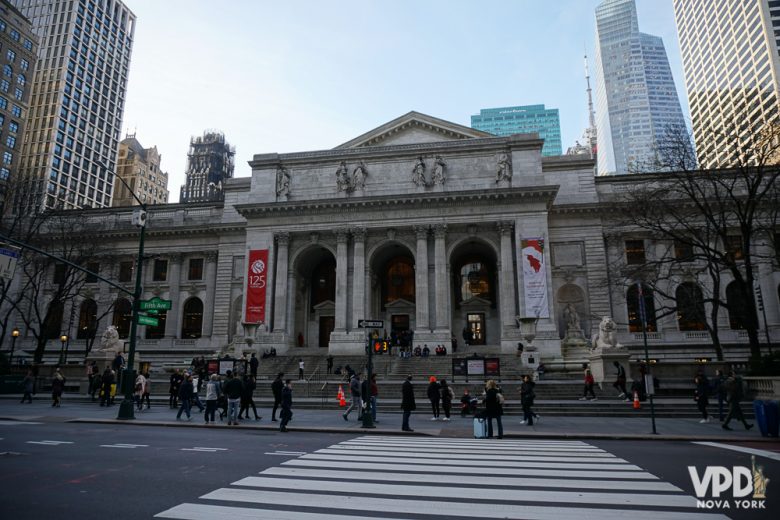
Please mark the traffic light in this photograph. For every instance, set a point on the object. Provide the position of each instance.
(377, 346)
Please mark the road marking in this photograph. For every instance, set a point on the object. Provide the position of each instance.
(285, 453)
(4, 422)
(743, 449)
(210, 512)
(120, 445)
(202, 448)
(49, 443)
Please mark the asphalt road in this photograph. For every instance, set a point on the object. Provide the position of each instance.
(84, 471)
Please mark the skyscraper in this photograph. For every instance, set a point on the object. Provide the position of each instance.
(78, 97)
(636, 100)
(522, 120)
(140, 169)
(210, 162)
(731, 59)
(18, 47)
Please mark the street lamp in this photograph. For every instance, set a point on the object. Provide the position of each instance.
(63, 356)
(126, 409)
(14, 335)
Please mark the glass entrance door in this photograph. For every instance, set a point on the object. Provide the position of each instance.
(476, 325)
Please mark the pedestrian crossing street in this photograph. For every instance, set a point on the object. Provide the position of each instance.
(393, 478)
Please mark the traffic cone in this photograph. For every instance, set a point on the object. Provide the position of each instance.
(340, 397)
(637, 406)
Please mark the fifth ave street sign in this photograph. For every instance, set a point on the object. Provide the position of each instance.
(371, 324)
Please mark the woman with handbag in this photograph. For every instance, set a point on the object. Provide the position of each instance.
(493, 408)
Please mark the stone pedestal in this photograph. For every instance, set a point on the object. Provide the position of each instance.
(601, 363)
(530, 359)
(574, 346)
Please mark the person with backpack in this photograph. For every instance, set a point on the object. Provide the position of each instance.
(735, 395)
(700, 395)
(355, 402)
(213, 391)
(434, 396)
(447, 395)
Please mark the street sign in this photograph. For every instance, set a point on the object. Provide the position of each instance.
(155, 304)
(148, 320)
(152, 312)
(371, 324)
(8, 258)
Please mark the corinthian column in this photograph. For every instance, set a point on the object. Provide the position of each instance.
(172, 317)
(440, 277)
(421, 279)
(506, 282)
(341, 281)
(280, 276)
(358, 276)
(211, 289)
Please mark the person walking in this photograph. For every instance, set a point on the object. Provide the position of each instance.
(253, 364)
(247, 398)
(276, 388)
(146, 396)
(446, 399)
(374, 394)
(494, 401)
(213, 390)
(138, 391)
(286, 414)
(301, 365)
(527, 396)
(620, 381)
(719, 389)
(57, 387)
(589, 382)
(434, 396)
(700, 395)
(329, 366)
(232, 389)
(407, 403)
(735, 395)
(173, 391)
(107, 382)
(355, 402)
(28, 385)
(96, 383)
(186, 391)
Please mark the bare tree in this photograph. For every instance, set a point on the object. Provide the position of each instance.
(710, 225)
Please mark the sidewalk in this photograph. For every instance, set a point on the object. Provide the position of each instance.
(331, 421)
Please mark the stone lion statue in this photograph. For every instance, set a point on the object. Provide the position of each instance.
(606, 338)
(109, 341)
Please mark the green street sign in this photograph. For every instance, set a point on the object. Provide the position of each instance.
(155, 304)
(152, 312)
(148, 320)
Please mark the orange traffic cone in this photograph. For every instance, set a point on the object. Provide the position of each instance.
(637, 406)
(340, 397)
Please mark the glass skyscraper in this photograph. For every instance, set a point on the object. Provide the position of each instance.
(636, 100)
(522, 120)
(731, 60)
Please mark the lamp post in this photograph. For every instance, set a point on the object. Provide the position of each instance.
(126, 409)
(14, 335)
(63, 340)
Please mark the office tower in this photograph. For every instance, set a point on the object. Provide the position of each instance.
(78, 96)
(731, 59)
(209, 165)
(18, 47)
(522, 120)
(636, 100)
(139, 167)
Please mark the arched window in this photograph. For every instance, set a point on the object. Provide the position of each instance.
(123, 315)
(8, 71)
(398, 282)
(52, 325)
(634, 308)
(192, 322)
(21, 80)
(323, 282)
(157, 332)
(739, 316)
(87, 320)
(690, 307)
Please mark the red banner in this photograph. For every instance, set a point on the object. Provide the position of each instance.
(256, 281)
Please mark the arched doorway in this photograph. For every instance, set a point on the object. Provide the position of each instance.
(192, 319)
(474, 287)
(315, 296)
(393, 291)
(87, 320)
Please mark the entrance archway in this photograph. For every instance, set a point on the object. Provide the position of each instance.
(474, 286)
(393, 289)
(314, 296)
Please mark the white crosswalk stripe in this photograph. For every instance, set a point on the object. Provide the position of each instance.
(448, 478)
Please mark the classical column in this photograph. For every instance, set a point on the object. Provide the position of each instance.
(211, 289)
(440, 277)
(172, 329)
(506, 282)
(280, 279)
(421, 278)
(341, 281)
(358, 276)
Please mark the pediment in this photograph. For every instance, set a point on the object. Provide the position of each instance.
(414, 128)
(327, 305)
(400, 303)
(475, 302)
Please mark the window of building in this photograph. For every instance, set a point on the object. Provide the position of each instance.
(690, 307)
(11, 55)
(734, 247)
(87, 320)
(16, 110)
(2, 25)
(635, 252)
(323, 282)
(4, 173)
(737, 304)
(196, 269)
(93, 267)
(14, 36)
(238, 266)
(24, 64)
(8, 158)
(13, 126)
(4, 85)
(398, 282)
(125, 271)
(18, 94)
(10, 141)
(160, 273)
(636, 303)
(21, 79)
(59, 274)
(27, 44)
(192, 319)
(3, 102)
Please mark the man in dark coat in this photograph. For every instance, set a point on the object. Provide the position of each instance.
(276, 388)
(106, 382)
(286, 414)
(186, 391)
(253, 364)
(407, 402)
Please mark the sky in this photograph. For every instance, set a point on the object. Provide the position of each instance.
(309, 75)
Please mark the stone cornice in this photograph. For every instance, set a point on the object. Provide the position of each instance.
(567, 163)
(592, 208)
(395, 202)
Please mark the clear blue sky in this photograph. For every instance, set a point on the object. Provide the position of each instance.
(308, 75)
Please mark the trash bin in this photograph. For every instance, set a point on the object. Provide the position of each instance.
(759, 408)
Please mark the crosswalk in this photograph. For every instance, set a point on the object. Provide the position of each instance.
(400, 477)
